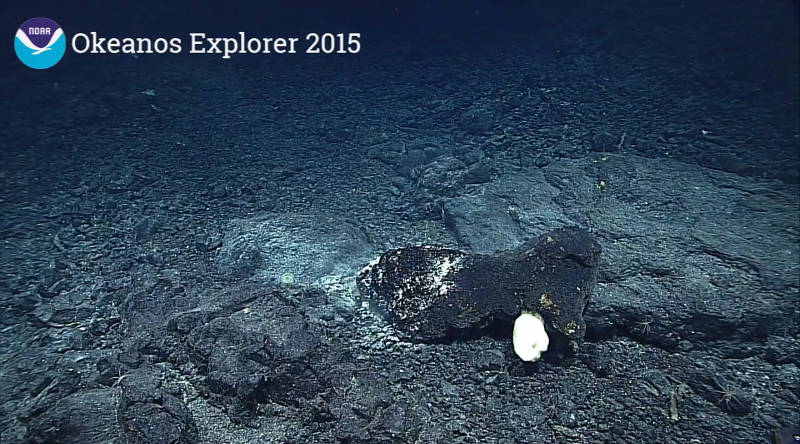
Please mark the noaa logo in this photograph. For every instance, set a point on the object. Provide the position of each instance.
(40, 43)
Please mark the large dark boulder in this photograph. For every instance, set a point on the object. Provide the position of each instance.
(432, 292)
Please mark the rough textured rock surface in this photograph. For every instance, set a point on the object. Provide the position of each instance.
(431, 292)
(86, 417)
(263, 351)
(150, 414)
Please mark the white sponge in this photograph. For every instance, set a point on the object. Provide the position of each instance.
(530, 339)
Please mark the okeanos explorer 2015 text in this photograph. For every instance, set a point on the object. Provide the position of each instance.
(200, 43)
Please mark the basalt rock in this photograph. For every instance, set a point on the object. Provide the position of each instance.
(432, 293)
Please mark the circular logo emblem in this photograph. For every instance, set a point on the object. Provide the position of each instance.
(40, 43)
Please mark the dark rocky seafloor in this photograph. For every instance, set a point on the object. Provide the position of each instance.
(179, 265)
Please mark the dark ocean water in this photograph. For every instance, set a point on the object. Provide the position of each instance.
(194, 196)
